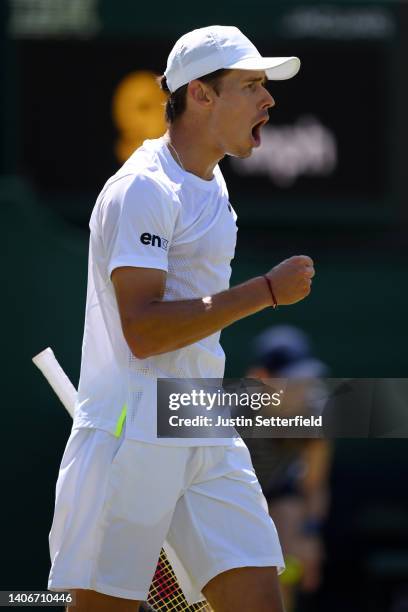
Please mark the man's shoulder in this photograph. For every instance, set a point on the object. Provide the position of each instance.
(141, 177)
(142, 171)
(147, 181)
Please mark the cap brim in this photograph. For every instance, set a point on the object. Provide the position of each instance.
(276, 68)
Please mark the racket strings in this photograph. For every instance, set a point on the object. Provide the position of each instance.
(165, 593)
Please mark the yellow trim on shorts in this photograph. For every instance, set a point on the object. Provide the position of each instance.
(120, 421)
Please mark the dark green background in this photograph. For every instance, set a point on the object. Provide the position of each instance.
(356, 314)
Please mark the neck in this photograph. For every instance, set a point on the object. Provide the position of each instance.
(193, 150)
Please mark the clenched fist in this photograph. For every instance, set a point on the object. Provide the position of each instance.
(291, 279)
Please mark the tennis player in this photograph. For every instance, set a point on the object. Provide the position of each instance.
(162, 238)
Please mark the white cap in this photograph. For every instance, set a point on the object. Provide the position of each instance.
(206, 50)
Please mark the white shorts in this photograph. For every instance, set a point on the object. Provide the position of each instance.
(118, 500)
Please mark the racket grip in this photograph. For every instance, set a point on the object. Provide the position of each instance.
(59, 381)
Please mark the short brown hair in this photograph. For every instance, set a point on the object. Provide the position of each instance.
(176, 103)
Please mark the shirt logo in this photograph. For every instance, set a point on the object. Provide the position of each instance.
(154, 240)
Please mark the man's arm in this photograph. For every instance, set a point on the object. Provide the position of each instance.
(152, 327)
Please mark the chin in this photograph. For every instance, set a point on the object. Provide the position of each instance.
(242, 152)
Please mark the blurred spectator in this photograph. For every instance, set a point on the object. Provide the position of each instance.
(293, 473)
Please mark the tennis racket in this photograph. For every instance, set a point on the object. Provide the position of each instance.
(165, 592)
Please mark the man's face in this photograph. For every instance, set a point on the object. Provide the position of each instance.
(240, 111)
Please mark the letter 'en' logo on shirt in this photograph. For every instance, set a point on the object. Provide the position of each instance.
(154, 240)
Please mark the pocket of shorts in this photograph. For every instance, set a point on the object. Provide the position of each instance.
(78, 439)
(239, 457)
(119, 448)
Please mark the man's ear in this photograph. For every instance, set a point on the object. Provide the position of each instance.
(201, 93)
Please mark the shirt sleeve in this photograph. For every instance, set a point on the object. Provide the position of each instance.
(137, 224)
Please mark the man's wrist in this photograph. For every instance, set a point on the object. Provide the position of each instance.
(271, 291)
(263, 291)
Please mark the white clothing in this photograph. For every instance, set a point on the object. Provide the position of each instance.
(118, 499)
(151, 214)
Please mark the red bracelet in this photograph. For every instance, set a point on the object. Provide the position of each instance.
(269, 282)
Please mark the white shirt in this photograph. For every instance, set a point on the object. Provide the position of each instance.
(151, 214)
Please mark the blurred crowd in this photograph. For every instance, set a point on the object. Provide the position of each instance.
(338, 504)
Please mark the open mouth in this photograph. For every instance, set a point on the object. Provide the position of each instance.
(256, 132)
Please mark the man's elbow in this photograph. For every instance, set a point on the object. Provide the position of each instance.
(140, 341)
(140, 347)
(140, 352)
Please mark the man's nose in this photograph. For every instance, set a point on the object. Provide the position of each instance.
(267, 100)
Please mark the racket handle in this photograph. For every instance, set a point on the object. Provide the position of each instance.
(59, 381)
